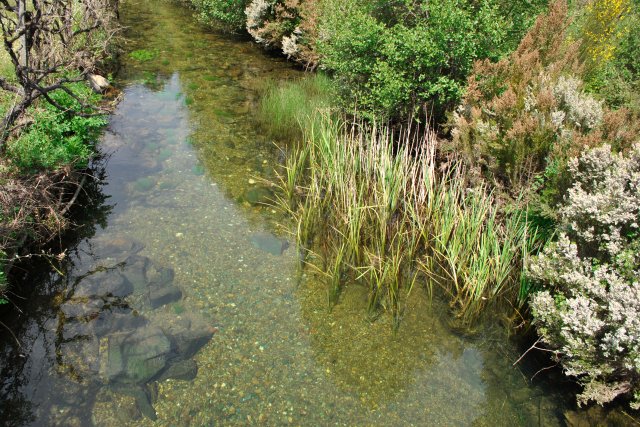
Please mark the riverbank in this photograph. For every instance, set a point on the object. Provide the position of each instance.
(51, 120)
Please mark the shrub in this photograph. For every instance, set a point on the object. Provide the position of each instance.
(601, 31)
(406, 59)
(226, 15)
(289, 25)
(588, 311)
(618, 79)
(530, 111)
(57, 138)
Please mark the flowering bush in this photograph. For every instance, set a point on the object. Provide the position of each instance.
(601, 30)
(530, 110)
(290, 25)
(588, 310)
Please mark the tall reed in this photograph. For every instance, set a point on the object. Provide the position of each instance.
(376, 209)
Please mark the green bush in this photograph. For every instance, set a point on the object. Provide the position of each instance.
(57, 138)
(226, 15)
(411, 58)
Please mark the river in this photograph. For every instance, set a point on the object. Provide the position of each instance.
(185, 245)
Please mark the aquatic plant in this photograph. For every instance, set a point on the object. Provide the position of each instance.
(286, 108)
(143, 55)
(373, 208)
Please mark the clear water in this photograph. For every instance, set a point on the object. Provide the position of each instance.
(185, 162)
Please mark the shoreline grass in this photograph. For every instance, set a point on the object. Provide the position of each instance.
(375, 208)
(286, 108)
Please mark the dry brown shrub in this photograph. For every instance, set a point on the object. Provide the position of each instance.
(528, 109)
(33, 208)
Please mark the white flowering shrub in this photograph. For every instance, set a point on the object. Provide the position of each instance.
(588, 310)
(581, 109)
(257, 13)
(289, 25)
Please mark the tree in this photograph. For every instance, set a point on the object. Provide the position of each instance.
(52, 44)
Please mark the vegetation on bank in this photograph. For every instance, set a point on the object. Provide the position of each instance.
(50, 116)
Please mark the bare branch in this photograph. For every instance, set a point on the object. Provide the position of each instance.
(48, 40)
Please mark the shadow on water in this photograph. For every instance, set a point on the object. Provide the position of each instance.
(177, 301)
(27, 344)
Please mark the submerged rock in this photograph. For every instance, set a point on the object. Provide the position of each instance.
(134, 358)
(82, 309)
(160, 295)
(104, 283)
(118, 247)
(159, 275)
(188, 335)
(269, 243)
(118, 322)
(258, 196)
(185, 370)
(135, 270)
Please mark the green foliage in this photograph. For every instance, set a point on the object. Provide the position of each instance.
(413, 58)
(6, 71)
(226, 15)
(58, 138)
(287, 108)
(143, 55)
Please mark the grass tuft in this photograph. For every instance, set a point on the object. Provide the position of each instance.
(373, 207)
(286, 108)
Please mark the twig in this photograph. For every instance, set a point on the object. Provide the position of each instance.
(75, 196)
(11, 332)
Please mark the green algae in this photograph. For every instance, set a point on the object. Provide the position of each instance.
(144, 184)
(164, 154)
(197, 170)
(143, 55)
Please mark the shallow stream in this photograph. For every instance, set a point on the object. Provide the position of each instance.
(188, 248)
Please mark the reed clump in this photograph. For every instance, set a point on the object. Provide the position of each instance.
(373, 207)
(286, 107)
